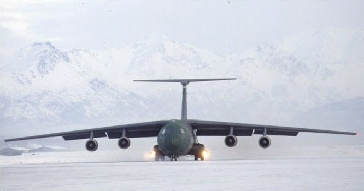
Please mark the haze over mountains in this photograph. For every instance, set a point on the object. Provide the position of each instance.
(312, 79)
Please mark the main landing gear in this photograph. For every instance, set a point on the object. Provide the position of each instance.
(158, 155)
(198, 150)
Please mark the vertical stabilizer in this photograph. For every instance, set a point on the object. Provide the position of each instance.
(184, 83)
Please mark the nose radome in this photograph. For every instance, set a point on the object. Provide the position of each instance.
(172, 144)
(176, 140)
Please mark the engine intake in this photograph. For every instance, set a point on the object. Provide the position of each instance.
(231, 140)
(91, 145)
(124, 143)
(264, 142)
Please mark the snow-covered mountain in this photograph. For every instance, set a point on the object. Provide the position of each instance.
(43, 86)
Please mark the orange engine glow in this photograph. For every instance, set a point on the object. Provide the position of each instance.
(205, 154)
(152, 154)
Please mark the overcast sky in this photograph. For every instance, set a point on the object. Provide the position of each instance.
(223, 26)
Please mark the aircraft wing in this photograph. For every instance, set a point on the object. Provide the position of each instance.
(135, 130)
(215, 128)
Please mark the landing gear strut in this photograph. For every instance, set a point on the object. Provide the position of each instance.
(173, 157)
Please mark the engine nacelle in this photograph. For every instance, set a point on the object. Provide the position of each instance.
(231, 140)
(124, 143)
(91, 145)
(264, 142)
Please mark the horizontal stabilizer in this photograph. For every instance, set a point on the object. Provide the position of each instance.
(185, 81)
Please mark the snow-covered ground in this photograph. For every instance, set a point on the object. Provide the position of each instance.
(264, 174)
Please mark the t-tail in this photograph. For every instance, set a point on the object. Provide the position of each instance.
(184, 83)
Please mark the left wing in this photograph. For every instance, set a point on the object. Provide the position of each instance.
(135, 130)
(215, 128)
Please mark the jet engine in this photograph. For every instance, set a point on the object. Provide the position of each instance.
(124, 142)
(91, 145)
(264, 142)
(231, 140)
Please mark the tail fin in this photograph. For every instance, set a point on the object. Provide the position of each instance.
(184, 83)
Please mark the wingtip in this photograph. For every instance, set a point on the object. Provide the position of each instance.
(357, 134)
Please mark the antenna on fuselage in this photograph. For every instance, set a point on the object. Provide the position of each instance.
(184, 83)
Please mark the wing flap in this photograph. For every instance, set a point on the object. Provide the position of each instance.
(149, 129)
(223, 132)
(83, 135)
(276, 132)
(133, 134)
(210, 128)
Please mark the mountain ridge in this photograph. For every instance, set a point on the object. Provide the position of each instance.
(54, 87)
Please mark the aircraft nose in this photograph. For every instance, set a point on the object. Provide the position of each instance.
(172, 144)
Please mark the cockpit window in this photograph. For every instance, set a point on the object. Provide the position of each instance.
(173, 131)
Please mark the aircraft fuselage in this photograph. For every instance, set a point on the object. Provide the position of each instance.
(176, 139)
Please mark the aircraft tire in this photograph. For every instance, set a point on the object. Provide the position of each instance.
(173, 157)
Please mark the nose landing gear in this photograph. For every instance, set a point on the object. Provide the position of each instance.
(173, 157)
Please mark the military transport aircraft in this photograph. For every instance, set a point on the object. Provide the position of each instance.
(178, 137)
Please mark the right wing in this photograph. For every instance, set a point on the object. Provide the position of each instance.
(217, 128)
(134, 130)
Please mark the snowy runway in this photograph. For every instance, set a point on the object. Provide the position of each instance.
(277, 174)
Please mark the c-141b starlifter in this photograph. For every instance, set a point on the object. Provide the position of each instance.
(178, 137)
